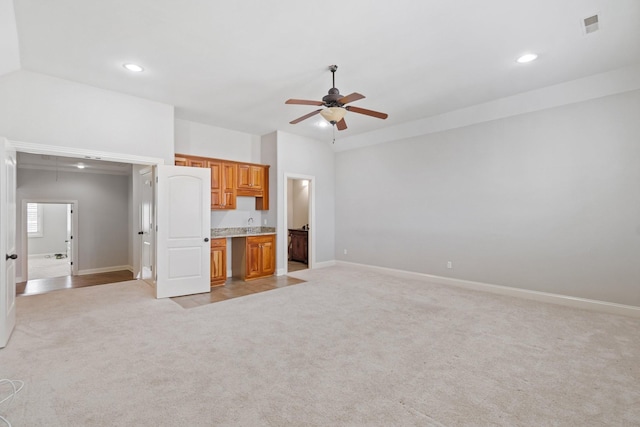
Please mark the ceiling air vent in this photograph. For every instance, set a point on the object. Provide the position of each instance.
(590, 24)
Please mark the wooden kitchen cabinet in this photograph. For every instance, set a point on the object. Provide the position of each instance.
(253, 180)
(218, 261)
(250, 179)
(254, 256)
(230, 179)
(223, 191)
(194, 162)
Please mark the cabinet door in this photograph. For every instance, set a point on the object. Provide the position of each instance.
(253, 258)
(197, 163)
(217, 199)
(257, 173)
(228, 188)
(261, 258)
(267, 257)
(218, 261)
(190, 161)
(181, 161)
(250, 177)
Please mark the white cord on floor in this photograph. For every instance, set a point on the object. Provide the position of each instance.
(16, 385)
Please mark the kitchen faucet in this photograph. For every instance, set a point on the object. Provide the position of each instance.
(249, 222)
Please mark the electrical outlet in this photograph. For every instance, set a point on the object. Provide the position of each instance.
(449, 264)
(265, 221)
(345, 251)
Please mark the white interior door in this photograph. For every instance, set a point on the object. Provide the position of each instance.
(146, 225)
(183, 230)
(7, 241)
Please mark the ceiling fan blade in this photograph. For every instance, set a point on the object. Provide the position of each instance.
(306, 116)
(341, 125)
(366, 112)
(303, 102)
(350, 98)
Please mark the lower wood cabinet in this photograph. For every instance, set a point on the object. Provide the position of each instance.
(254, 256)
(218, 261)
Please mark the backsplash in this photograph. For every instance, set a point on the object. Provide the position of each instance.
(245, 209)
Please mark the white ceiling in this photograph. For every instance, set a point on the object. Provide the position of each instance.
(233, 64)
(70, 164)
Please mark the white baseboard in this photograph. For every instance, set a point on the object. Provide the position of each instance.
(324, 264)
(565, 300)
(105, 269)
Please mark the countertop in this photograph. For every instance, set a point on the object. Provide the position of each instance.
(242, 231)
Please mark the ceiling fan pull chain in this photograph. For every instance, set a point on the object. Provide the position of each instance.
(333, 129)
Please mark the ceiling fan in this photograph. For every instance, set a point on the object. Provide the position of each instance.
(335, 104)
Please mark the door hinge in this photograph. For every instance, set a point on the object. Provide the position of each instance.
(71, 263)
(156, 179)
(71, 237)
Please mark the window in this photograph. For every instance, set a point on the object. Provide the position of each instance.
(34, 220)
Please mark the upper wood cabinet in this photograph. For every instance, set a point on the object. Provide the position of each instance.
(223, 191)
(250, 179)
(230, 179)
(194, 162)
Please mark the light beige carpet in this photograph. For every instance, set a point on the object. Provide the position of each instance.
(348, 348)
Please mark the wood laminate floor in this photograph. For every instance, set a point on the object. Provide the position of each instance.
(41, 286)
(234, 288)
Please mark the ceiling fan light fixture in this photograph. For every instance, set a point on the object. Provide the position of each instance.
(333, 114)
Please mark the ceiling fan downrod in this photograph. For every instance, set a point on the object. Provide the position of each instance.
(333, 69)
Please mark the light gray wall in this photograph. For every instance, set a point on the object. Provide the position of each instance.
(200, 139)
(305, 156)
(546, 201)
(54, 231)
(103, 212)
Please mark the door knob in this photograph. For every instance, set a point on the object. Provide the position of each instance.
(206, 239)
(12, 256)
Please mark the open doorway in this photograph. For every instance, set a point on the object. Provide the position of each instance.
(49, 231)
(298, 224)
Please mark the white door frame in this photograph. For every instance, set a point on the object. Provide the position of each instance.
(74, 234)
(312, 219)
(139, 246)
(54, 150)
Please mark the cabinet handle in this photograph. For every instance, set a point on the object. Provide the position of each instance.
(206, 239)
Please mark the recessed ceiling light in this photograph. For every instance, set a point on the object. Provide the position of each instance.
(527, 57)
(81, 166)
(133, 67)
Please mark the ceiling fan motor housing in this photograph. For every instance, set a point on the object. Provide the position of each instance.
(331, 100)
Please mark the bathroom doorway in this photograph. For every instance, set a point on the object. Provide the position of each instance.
(49, 231)
(298, 224)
